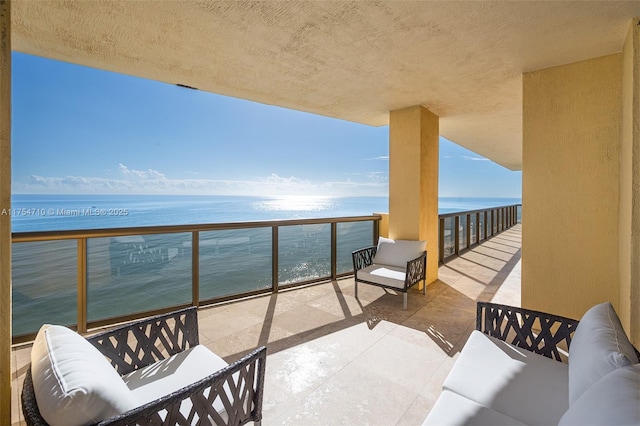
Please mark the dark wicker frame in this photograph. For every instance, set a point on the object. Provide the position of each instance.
(536, 331)
(416, 271)
(141, 343)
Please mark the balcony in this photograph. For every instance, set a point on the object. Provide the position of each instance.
(335, 359)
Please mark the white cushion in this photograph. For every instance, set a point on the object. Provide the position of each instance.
(515, 382)
(398, 252)
(453, 409)
(599, 346)
(391, 276)
(176, 372)
(169, 375)
(612, 400)
(73, 382)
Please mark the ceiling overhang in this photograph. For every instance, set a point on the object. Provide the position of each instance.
(355, 61)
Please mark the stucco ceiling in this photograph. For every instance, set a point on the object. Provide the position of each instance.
(351, 60)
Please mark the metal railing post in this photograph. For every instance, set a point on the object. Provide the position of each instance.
(274, 259)
(468, 231)
(441, 242)
(334, 250)
(82, 285)
(195, 268)
(456, 224)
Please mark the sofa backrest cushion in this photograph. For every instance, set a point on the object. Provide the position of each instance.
(612, 400)
(398, 252)
(599, 346)
(73, 382)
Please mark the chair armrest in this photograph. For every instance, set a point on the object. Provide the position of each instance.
(239, 388)
(416, 270)
(363, 257)
(143, 342)
(538, 332)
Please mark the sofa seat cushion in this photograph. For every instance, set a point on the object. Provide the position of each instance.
(174, 373)
(513, 381)
(612, 400)
(73, 382)
(398, 252)
(452, 409)
(599, 346)
(392, 276)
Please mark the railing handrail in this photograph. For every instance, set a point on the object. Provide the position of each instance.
(461, 212)
(31, 236)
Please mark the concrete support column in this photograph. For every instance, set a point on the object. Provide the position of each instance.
(413, 180)
(5, 220)
(630, 185)
(570, 186)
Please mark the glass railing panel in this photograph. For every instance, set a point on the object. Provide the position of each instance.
(491, 222)
(351, 236)
(462, 232)
(234, 261)
(481, 227)
(44, 284)
(473, 229)
(449, 237)
(137, 273)
(304, 252)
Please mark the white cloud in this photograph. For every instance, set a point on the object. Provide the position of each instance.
(382, 157)
(466, 157)
(142, 174)
(151, 181)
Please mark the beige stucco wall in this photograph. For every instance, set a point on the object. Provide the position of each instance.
(571, 152)
(413, 179)
(5, 220)
(629, 221)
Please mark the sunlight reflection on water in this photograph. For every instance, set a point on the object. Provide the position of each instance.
(296, 203)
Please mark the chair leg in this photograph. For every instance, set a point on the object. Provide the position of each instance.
(404, 301)
(424, 287)
(356, 289)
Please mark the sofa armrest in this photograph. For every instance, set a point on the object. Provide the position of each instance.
(363, 257)
(239, 388)
(143, 342)
(539, 332)
(416, 270)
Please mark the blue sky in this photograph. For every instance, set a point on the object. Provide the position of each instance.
(79, 130)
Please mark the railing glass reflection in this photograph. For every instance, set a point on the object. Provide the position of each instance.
(44, 284)
(91, 278)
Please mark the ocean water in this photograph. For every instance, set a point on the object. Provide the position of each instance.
(68, 212)
(131, 274)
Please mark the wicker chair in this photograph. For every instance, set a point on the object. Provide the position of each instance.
(397, 265)
(238, 387)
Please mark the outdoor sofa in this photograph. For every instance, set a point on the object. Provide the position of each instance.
(511, 371)
(394, 264)
(152, 371)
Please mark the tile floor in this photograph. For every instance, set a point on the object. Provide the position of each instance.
(334, 359)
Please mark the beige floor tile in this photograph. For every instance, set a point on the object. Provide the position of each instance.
(304, 319)
(469, 287)
(401, 362)
(339, 304)
(226, 321)
(351, 397)
(417, 411)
